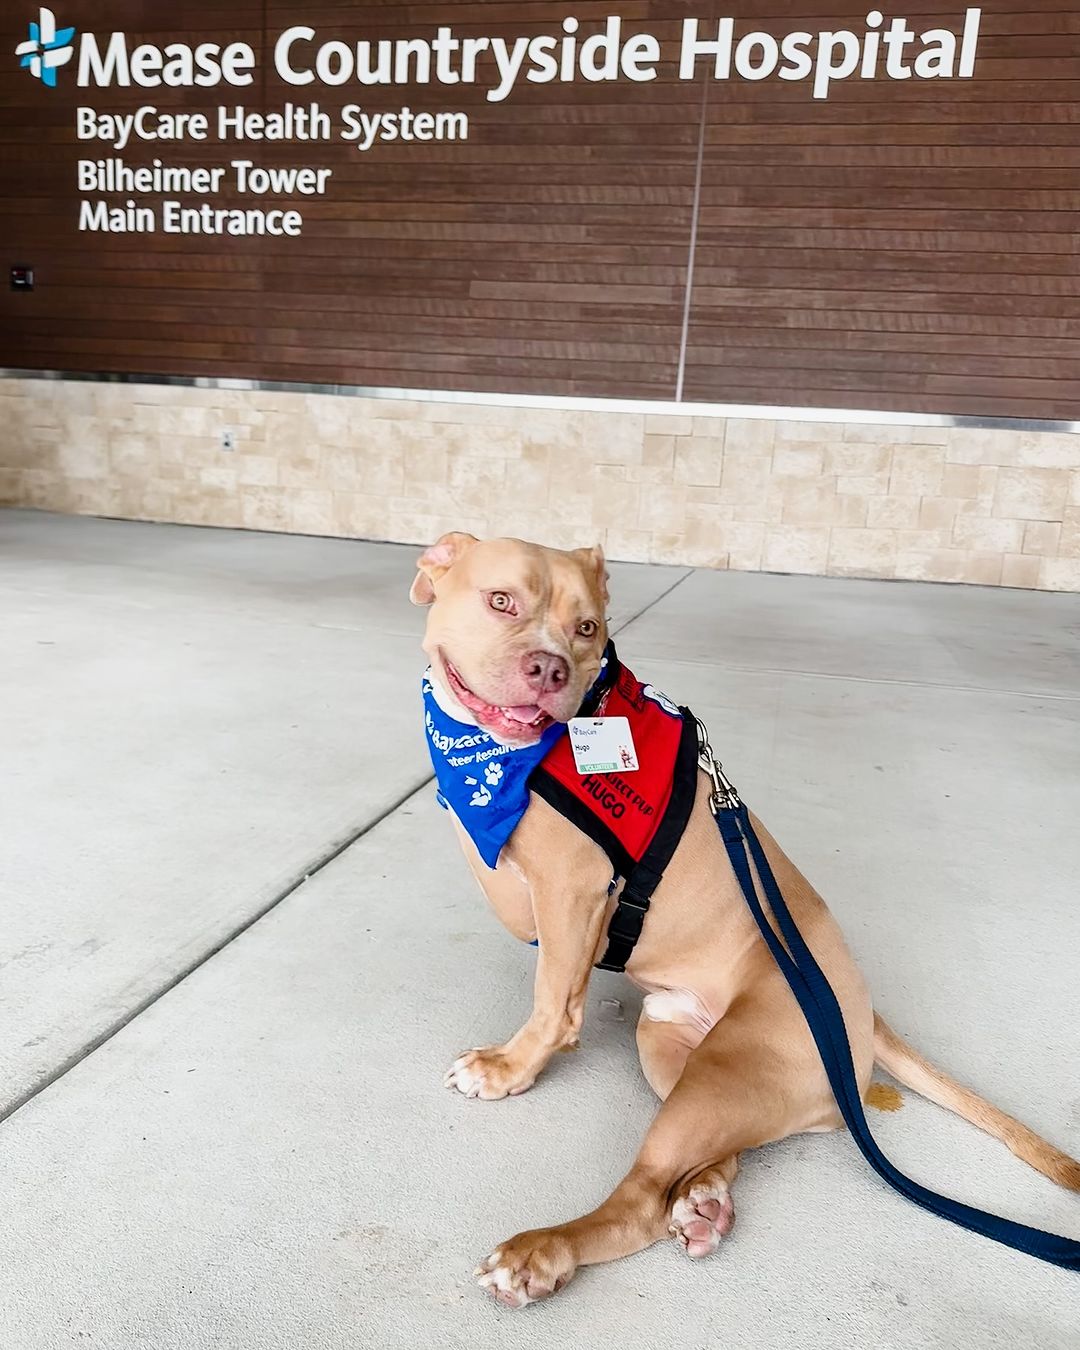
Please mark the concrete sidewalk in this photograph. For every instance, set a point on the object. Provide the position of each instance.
(262, 1154)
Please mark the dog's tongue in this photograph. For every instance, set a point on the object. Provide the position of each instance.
(524, 712)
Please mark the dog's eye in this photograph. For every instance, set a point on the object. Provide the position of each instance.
(502, 601)
(587, 628)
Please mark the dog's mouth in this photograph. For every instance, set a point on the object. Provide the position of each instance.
(520, 723)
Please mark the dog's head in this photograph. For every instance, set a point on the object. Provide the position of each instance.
(515, 631)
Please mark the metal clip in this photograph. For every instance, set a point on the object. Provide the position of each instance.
(723, 796)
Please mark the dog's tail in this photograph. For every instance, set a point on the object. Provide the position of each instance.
(907, 1066)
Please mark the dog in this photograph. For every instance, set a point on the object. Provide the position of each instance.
(515, 637)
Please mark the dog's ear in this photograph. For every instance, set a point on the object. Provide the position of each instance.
(436, 561)
(594, 562)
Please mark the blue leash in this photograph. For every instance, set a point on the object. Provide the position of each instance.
(826, 1022)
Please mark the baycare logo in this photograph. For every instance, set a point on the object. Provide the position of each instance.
(46, 49)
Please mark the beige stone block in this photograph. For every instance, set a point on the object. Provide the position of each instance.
(982, 569)
(301, 472)
(1031, 494)
(207, 422)
(84, 458)
(923, 541)
(279, 402)
(11, 487)
(574, 508)
(361, 517)
(218, 476)
(1020, 571)
(257, 470)
(875, 485)
(480, 441)
(1074, 489)
(658, 452)
(767, 509)
(657, 461)
(1059, 574)
(562, 534)
(264, 508)
(798, 461)
(131, 453)
(1042, 536)
(373, 436)
(796, 550)
(1050, 450)
(669, 548)
(312, 512)
(989, 534)
(960, 480)
(937, 513)
(528, 474)
(472, 484)
(698, 460)
(457, 414)
(1068, 545)
(748, 435)
(814, 502)
(709, 495)
(613, 438)
(793, 432)
(384, 473)
(425, 460)
(662, 509)
(855, 460)
(338, 467)
(983, 445)
(875, 433)
(671, 424)
(329, 418)
(862, 552)
(615, 505)
(287, 435)
(623, 545)
(204, 508)
(744, 542)
(745, 476)
(895, 513)
(564, 468)
(916, 471)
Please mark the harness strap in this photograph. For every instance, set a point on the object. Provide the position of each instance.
(826, 1021)
(644, 876)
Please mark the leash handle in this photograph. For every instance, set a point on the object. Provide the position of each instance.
(825, 1019)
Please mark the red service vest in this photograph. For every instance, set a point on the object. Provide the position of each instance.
(636, 817)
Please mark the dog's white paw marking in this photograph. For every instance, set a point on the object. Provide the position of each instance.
(504, 1285)
(481, 797)
(526, 1269)
(493, 773)
(486, 1074)
(702, 1217)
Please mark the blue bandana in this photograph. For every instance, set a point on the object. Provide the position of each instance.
(484, 783)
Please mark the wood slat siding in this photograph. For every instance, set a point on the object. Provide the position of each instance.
(901, 245)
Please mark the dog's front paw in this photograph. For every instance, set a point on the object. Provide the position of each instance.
(489, 1074)
(529, 1267)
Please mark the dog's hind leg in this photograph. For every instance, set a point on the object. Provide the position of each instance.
(735, 1092)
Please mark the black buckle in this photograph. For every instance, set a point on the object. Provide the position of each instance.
(623, 931)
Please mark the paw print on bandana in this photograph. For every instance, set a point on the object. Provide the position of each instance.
(493, 774)
(481, 797)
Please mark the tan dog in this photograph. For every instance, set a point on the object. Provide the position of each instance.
(515, 634)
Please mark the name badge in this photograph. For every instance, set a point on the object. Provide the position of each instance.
(602, 745)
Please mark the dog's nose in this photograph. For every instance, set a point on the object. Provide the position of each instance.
(546, 672)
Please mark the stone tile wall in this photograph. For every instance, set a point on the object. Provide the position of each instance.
(995, 507)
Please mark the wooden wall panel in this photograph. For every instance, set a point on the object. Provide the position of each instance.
(908, 246)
